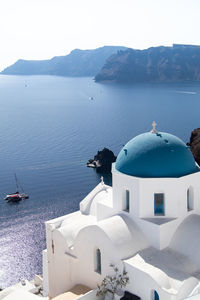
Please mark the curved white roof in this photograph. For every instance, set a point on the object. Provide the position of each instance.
(120, 234)
(71, 226)
(186, 240)
(124, 234)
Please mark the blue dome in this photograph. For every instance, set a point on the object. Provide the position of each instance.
(156, 155)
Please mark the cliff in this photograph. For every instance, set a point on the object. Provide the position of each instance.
(157, 64)
(195, 144)
(102, 161)
(77, 63)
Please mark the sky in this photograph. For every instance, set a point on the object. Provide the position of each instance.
(41, 29)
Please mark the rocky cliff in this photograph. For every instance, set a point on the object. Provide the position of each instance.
(195, 144)
(157, 64)
(77, 63)
(102, 161)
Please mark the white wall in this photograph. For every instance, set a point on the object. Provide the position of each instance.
(142, 192)
(187, 239)
(143, 284)
(121, 183)
(45, 271)
(59, 264)
(71, 261)
(88, 240)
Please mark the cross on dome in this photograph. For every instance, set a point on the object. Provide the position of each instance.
(154, 127)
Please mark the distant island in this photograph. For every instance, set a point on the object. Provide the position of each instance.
(78, 63)
(119, 64)
(156, 64)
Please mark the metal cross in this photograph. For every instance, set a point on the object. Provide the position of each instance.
(154, 127)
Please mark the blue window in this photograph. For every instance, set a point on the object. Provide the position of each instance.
(127, 200)
(188, 199)
(190, 204)
(159, 207)
(98, 261)
(156, 296)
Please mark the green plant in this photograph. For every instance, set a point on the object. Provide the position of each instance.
(112, 283)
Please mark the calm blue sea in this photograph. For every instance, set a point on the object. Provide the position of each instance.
(49, 128)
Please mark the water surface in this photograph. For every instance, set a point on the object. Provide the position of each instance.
(49, 128)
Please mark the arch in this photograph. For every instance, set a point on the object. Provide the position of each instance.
(190, 198)
(97, 262)
(155, 295)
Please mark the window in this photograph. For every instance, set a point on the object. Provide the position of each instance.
(159, 209)
(155, 295)
(127, 201)
(98, 261)
(190, 202)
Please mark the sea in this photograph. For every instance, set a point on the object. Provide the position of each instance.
(49, 127)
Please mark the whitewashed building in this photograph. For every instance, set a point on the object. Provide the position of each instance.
(147, 222)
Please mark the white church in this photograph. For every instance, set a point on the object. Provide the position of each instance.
(148, 222)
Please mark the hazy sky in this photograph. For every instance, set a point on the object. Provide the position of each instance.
(41, 29)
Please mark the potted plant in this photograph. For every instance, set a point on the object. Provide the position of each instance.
(111, 285)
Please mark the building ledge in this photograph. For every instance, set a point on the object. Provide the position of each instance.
(159, 221)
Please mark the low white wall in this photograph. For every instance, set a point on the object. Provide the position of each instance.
(91, 295)
(143, 284)
(187, 286)
(45, 273)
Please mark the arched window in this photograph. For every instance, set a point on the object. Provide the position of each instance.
(159, 206)
(98, 261)
(156, 296)
(190, 199)
(127, 201)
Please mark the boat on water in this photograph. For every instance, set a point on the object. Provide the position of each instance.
(17, 196)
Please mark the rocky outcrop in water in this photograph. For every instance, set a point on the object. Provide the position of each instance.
(156, 64)
(102, 161)
(195, 144)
